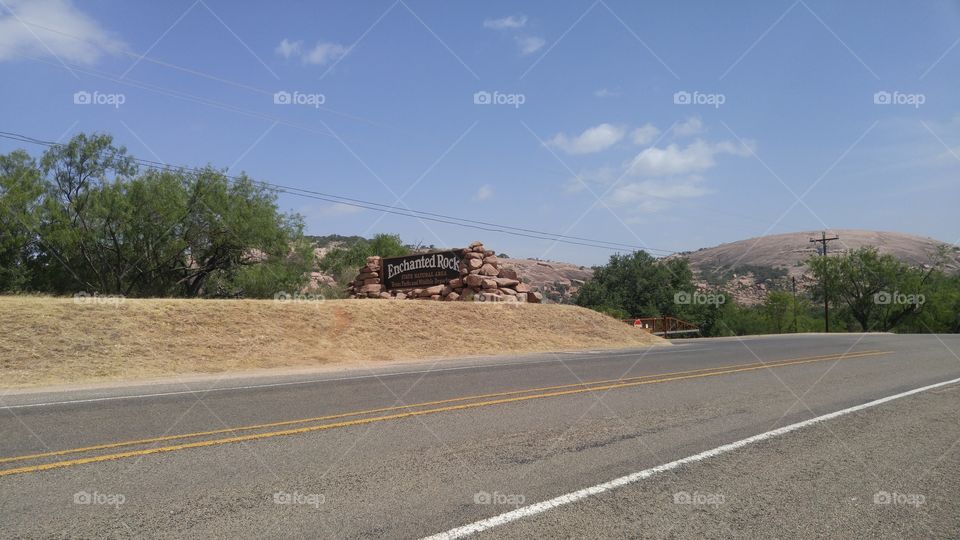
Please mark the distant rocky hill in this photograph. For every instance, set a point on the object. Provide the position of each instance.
(790, 251)
(748, 268)
(558, 281)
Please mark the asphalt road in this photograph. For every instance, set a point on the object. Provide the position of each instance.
(421, 449)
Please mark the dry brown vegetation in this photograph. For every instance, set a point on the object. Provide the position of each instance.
(58, 341)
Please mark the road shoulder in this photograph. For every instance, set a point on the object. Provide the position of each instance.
(888, 471)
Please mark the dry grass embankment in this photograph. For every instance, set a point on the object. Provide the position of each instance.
(57, 341)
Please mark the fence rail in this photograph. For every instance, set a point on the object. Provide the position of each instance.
(664, 326)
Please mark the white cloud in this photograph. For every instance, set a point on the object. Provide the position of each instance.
(692, 126)
(288, 49)
(674, 160)
(513, 21)
(644, 134)
(321, 54)
(78, 37)
(594, 139)
(660, 190)
(483, 193)
(606, 93)
(324, 53)
(526, 44)
(657, 195)
(530, 44)
(656, 178)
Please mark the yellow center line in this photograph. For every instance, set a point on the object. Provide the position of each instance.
(120, 444)
(409, 414)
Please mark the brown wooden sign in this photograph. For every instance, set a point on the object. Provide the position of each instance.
(423, 270)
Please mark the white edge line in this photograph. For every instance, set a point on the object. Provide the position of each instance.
(526, 511)
(314, 381)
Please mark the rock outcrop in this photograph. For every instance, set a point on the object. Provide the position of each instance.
(482, 279)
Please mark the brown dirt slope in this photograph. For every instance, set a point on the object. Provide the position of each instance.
(57, 340)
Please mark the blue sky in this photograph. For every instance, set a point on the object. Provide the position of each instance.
(590, 132)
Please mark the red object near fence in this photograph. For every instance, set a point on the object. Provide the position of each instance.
(663, 326)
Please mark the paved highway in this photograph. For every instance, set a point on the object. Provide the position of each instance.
(711, 437)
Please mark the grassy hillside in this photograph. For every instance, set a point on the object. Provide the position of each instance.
(56, 340)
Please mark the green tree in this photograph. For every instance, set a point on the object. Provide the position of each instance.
(83, 213)
(20, 196)
(941, 307)
(278, 274)
(343, 263)
(777, 310)
(232, 224)
(873, 289)
(638, 285)
(83, 219)
(738, 320)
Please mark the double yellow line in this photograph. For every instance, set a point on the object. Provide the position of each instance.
(515, 396)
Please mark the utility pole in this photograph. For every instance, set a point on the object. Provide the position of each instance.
(796, 326)
(826, 277)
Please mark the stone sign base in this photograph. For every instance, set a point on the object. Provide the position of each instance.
(481, 280)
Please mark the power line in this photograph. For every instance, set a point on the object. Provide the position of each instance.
(384, 208)
(176, 94)
(286, 189)
(191, 71)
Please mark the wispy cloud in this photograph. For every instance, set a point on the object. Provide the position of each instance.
(657, 177)
(324, 53)
(73, 36)
(691, 126)
(674, 159)
(484, 192)
(505, 23)
(525, 43)
(606, 93)
(659, 190)
(288, 49)
(321, 54)
(594, 139)
(644, 134)
(530, 44)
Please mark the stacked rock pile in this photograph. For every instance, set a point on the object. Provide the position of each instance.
(368, 283)
(482, 279)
